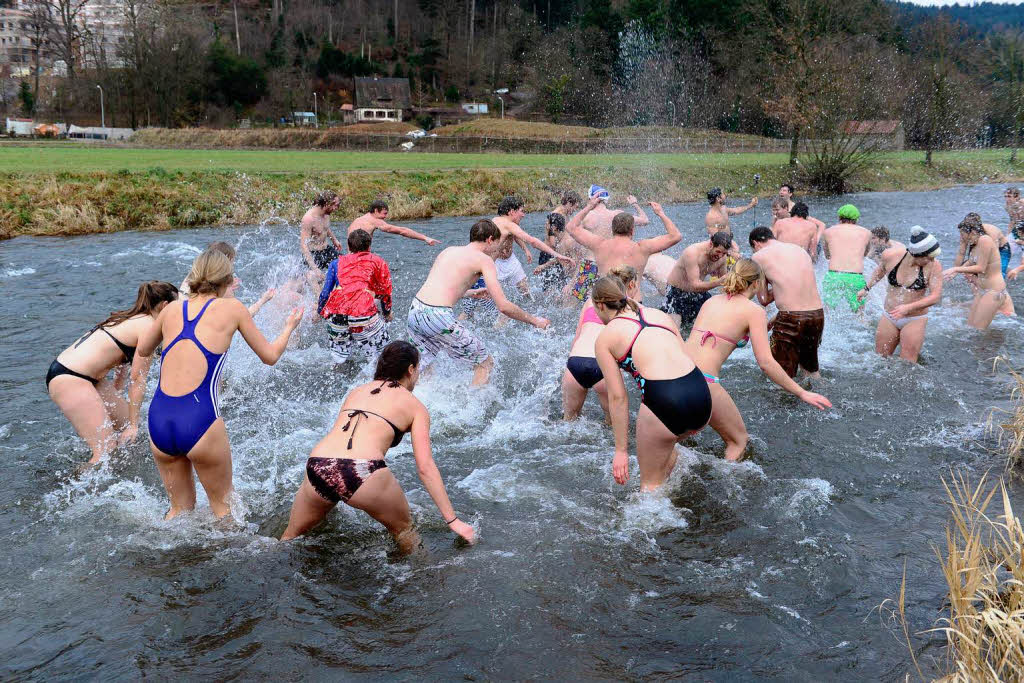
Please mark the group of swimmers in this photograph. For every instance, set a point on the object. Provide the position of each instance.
(592, 257)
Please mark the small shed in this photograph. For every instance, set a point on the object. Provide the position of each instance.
(304, 118)
(881, 134)
(475, 108)
(20, 127)
(382, 99)
(348, 113)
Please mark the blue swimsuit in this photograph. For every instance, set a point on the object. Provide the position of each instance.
(176, 423)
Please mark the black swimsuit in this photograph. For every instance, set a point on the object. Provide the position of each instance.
(57, 368)
(683, 404)
(921, 282)
(337, 479)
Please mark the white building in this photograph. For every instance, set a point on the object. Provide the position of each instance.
(382, 99)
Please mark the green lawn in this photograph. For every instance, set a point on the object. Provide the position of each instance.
(48, 159)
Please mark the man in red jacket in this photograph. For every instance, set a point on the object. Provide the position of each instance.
(348, 302)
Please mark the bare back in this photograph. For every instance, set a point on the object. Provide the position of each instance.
(367, 222)
(721, 315)
(657, 353)
(620, 251)
(95, 353)
(795, 230)
(455, 270)
(789, 271)
(846, 245)
(184, 366)
(371, 436)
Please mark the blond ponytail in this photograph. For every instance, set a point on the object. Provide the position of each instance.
(742, 275)
(211, 273)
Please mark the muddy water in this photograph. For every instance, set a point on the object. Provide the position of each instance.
(765, 570)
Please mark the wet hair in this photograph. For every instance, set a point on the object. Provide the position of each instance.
(393, 363)
(971, 223)
(1013, 191)
(509, 204)
(324, 198)
(627, 275)
(556, 221)
(760, 234)
(151, 294)
(742, 275)
(211, 273)
(800, 210)
(610, 291)
(359, 240)
(881, 232)
(484, 229)
(780, 203)
(1018, 230)
(571, 198)
(787, 186)
(713, 194)
(378, 205)
(622, 224)
(224, 248)
(722, 240)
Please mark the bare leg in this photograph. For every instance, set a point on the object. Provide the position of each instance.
(382, 498)
(727, 421)
(82, 404)
(482, 372)
(573, 396)
(602, 395)
(116, 405)
(308, 510)
(655, 449)
(983, 310)
(211, 458)
(912, 339)
(887, 337)
(176, 474)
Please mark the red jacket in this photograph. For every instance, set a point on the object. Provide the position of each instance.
(353, 282)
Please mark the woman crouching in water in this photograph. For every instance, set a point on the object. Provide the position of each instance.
(915, 285)
(725, 323)
(186, 430)
(77, 380)
(348, 464)
(581, 371)
(676, 401)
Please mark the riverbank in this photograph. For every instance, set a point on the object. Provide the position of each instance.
(60, 191)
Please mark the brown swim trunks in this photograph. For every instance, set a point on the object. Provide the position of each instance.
(796, 336)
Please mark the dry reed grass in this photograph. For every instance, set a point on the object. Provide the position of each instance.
(983, 565)
(1011, 428)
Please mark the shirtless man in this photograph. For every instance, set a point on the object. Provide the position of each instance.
(798, 229)
(797, 329)
(568, 204)
(314, 232)
(1014, 206)
(599, 222)
(374, 220)
(786, 194)
(880, 242)
(431, 322)
(688, 289)
(780, 210)
(620, 249)
(510, 270)
(846, 244)
(718, 215)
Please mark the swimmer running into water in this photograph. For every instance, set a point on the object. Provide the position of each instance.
(581, 370)
(374, 220)
(348, 464)
(676, 402)
(599, 222)
(186, 430)
(77, 379)
(314, 233)
(725, 323)
(431, 322)
(845, 244)
(915, 285)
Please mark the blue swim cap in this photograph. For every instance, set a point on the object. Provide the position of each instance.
(599, 192)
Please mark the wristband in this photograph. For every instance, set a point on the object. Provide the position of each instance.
(453, 519)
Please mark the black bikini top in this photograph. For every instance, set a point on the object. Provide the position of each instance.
(354, 414)
(128, 351)
(917, 285)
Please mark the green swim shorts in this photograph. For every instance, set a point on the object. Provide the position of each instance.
(839, 286)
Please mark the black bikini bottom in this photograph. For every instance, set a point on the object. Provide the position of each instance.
(57, 368)
(682, 404)
(584, 370)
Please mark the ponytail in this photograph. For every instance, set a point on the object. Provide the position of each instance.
(742, 275)
(211, 273)
(626, 274)
(610, 291)
(151, 295)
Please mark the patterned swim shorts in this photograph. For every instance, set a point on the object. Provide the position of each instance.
(433, 329)
(586, 276)
(347, 334)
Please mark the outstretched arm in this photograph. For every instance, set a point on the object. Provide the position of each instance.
(136, 393)
(427, 470)
(984, 251)
(671, 237)
(742, 209)
(490, 276)
(406, 232)
(268, 352)
(639, 217)
(267, 296)
(521, 236)
(758, 329)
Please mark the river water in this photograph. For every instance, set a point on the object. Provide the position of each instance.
(769, 569)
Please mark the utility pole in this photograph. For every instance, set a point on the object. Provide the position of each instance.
(238, 38)
(103, 116)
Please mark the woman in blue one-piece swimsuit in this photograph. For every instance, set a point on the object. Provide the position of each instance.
(185, 427)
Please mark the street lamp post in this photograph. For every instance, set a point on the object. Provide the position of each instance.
(499, 92)
(103, 116)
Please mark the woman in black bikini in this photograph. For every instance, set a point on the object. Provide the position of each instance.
(915, 285)
(77, 380)
(676, 401)
(348, 464)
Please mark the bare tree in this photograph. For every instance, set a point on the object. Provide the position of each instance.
(65, 29)
(38, 30)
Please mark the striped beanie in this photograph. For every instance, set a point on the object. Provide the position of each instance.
(922, 242)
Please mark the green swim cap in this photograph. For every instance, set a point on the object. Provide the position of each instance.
(849, 212)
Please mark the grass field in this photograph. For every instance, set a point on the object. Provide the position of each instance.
(57, 159)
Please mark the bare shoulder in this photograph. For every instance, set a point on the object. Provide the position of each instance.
(654, 315)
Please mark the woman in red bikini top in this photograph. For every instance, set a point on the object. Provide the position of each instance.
(725, 323)
(348, 464)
